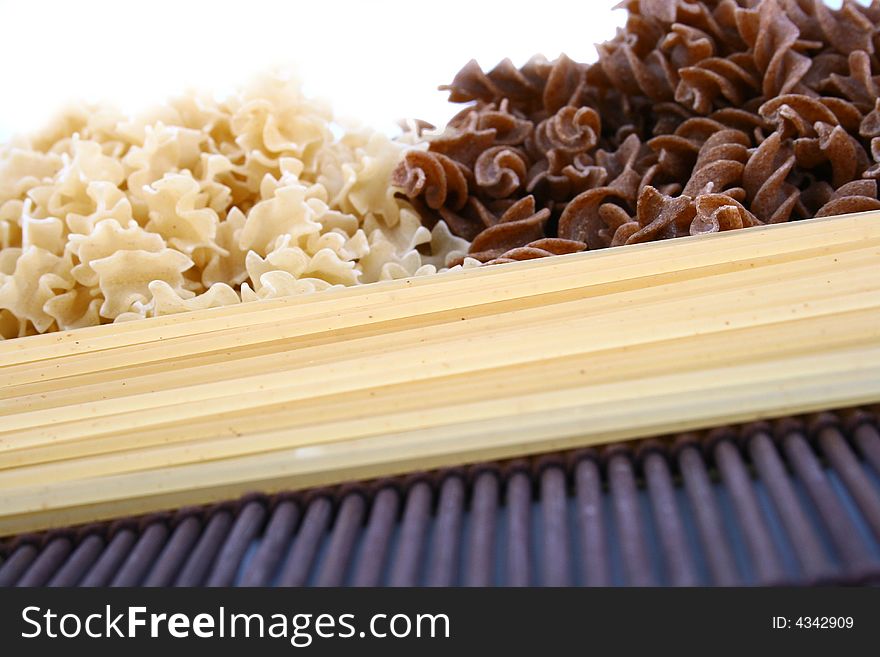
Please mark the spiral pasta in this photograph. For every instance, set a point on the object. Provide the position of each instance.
(697, 117)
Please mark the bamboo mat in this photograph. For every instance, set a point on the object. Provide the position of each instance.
(471, 365)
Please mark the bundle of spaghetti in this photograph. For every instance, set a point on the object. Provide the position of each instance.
(196, 204)
(522, 357)
(698, 116)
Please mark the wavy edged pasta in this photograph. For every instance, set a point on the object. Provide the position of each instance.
(201, 203)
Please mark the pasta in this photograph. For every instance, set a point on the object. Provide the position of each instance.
(662, 337)
(699, 116)
(197, 204)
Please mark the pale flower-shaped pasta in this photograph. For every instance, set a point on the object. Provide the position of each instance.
(125, 277)
(200, 203)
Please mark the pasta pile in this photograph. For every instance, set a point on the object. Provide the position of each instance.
(697, 117)
(199, 204)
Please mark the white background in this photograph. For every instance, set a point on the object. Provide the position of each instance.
(378, 61)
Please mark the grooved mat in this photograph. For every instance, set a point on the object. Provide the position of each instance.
(795, 502)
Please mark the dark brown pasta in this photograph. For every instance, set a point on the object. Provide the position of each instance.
(697, 117)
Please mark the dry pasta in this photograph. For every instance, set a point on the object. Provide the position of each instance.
(699, 116)
(200, 203)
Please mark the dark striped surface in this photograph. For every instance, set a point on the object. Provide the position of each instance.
(794, 502)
